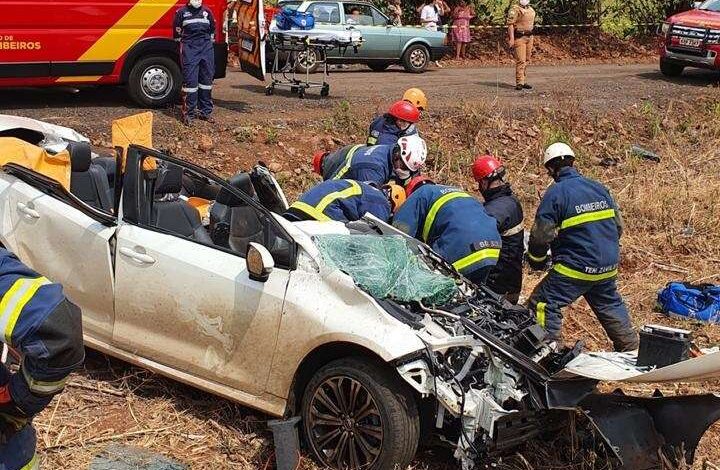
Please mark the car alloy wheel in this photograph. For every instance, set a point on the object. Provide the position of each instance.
(307, 59)
(418, 58)
(346, 426)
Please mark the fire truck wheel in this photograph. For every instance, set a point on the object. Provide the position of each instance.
(155, 82)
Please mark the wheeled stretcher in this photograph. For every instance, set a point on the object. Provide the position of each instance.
(292, 47)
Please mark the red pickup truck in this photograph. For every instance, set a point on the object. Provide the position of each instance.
(691, 39)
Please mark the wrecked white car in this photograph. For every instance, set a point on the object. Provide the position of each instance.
(200, 279)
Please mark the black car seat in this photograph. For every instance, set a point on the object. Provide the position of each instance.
(170, 212)
(225, 200)
(88, 182)
(245, 223)
(109, 164)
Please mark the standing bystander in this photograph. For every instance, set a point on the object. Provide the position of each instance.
(462, 14)
(521, 21)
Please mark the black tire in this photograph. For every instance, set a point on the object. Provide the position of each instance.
(309, 64)
(155, 82)
(378, 66)
(416, 58)
(671, 69)
(388, 407)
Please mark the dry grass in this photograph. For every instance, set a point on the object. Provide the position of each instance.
(671, 210)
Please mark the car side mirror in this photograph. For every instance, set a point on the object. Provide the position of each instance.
(260, 262)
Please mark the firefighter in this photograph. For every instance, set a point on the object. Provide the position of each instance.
(580, 222)
(454, 224)
(346, 201)
(38, 322)
(399, 121)
(417, 97)
(376, 164)
(194, 29)
(521, 21)
(500, 202)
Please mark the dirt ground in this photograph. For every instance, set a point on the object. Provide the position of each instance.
(671, 210)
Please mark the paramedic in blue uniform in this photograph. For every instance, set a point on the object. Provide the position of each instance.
(346, 201)
(194, 28)
(399, 121)
(38, 322)
(581, 224)
(454, 224)
(375, 164)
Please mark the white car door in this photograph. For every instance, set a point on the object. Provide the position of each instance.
(68, 245)
(190, 305)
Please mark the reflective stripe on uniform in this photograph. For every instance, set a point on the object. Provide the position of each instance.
(348, 162)
(540, 313)
(205, 87)
(513, 230)
(435, 208)
(196, 20)
(14, 300)
(371, 140)
(189, 90)
(587, 217)
(472, 258)
(33, 464)
(572, 273)
(317, 211)
(537, 259)
(42, 387)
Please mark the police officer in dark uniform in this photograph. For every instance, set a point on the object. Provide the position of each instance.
(500, 202)
(194, 28)
(454, 224)
(346, 201)
(37, 321)
(581, 223)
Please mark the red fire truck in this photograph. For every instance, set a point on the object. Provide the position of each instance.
(108, 42)
(691, 39)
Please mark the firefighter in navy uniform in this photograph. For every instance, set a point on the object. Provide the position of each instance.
(399, 121)
(580, 222)
(500, 202)
(373, 164)
(346, 201)
(194, 28)
(454, 224)
(37, 321)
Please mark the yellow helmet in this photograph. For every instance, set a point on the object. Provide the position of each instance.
(416, 97)
(396, 195)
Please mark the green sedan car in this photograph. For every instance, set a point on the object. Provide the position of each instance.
(384, 43)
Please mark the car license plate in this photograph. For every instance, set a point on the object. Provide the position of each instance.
(690, 42)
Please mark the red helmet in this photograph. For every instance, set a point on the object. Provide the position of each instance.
(487, 166)
(405, 111)
(317, 161)
(415, 182)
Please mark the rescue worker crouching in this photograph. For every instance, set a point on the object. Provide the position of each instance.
(521, 21)
(399, 121)
(582, 224)
(346, 201)
(37, 321)
(416, 97)
(374, 164)
(454, 224)
(500, 202)
(194, 29)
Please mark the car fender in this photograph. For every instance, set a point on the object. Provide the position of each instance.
(416, 40)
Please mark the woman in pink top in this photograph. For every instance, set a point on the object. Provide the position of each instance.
(462, 14)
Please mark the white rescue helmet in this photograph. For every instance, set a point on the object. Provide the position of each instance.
(413, 151)
(557, 150)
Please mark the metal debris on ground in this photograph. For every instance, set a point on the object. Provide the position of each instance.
(638, 151)
(122, 457)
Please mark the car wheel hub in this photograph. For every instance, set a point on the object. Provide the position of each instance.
(156, 82)
(418, 58)
(345, 424)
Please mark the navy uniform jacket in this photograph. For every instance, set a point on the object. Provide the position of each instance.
(384, 131)
(503, 205)
(37, 321)
(341, 200)
(360, 163)
(580, 221)
(454, 224)
(194, 26)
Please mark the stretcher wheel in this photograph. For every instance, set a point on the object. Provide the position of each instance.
(293, 89)
(269, 90)
(301, 93)
(325, 91)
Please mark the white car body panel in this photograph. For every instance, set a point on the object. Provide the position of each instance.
(55, 136)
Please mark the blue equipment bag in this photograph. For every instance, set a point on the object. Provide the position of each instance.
(698, 302)
(288, 19)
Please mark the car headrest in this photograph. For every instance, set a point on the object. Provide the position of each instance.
(170, 180)
(80, 156)
(240, 181)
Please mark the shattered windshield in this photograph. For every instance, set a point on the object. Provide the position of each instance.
(386, 268)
